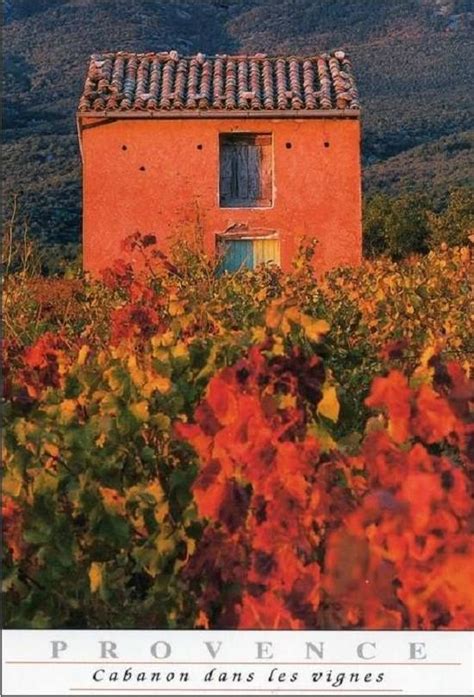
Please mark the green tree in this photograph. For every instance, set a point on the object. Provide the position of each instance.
(396, 226)
(456, 222)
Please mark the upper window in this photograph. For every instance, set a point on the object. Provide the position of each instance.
(245, 170)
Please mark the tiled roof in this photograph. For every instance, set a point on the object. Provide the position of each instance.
(166, 81)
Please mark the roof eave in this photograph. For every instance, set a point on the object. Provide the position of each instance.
(223, 114)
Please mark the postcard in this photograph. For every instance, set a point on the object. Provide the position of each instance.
(237, 338)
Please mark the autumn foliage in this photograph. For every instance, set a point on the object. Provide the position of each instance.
(257, 451)
(382, 539)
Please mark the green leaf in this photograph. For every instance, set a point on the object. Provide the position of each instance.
(45, 483)
(114, 529)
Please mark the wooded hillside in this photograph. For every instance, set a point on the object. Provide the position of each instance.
(412, 59)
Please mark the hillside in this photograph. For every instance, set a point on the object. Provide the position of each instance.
(442, 164)
(411, 58)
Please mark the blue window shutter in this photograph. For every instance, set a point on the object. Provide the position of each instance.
(237, 253)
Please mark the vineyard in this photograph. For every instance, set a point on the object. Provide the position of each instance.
(258, 450)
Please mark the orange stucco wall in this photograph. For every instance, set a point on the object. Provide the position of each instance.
(150, 176)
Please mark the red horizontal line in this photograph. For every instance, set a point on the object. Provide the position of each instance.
(158, 662)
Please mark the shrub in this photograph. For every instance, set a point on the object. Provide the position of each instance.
(396, 226)
(410, 224)
(456, 222)
(309, 537)
(165, 413)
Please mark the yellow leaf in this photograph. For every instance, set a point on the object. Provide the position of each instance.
(63, 363)
(287, 401)
(44, 481)
(155, 490)
(314, 328)
(102, 359)
(326, 443)
(258, 334)
(179, 351)
(293, 314)
(329, 405)
(278, 348)
(112, 500)
(26, 431)
(175, 308)
(424, 372)
(140, 411)
(137, 375)
(191, 545)
(82, 355)
(114, 379)
(67, 410)
(161, 509)
(159, 383)
(51, 449)
(95, 576)
(165, 544)
(161, 421)
(12, 484)
(101, 440)
(273, 315)
(166, 339)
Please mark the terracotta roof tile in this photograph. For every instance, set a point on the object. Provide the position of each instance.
(167, 81)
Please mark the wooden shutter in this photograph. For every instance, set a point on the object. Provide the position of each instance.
(246, 170)
(226, 185)
(236, 254)
(266, 250)
(266, 176)
(248, 252)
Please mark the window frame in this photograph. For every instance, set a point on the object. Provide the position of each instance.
(222, 135)
(224, 238)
